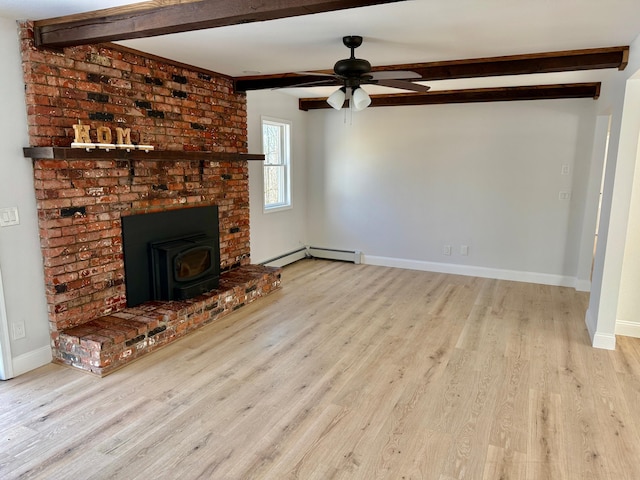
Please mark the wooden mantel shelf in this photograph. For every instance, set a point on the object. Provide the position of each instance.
(67, 153)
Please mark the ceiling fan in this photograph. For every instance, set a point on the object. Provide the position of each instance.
(351, 73)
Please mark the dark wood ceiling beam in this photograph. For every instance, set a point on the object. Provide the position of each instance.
(504, 94)
(547, 62)
(125, 23)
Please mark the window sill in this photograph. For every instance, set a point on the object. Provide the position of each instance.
(276, 209)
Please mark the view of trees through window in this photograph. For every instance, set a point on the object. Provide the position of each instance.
(275, 142)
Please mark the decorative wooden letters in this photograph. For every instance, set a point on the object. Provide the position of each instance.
(82, 133)
(104, 139)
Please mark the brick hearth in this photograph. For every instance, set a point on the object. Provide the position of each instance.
(81, 200)
(107, 343)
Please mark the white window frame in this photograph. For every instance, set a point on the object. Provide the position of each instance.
(285, 155)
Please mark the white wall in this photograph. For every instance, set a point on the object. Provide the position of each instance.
(620, 98)
(400, 182)
(276, 233)
(628, 316)
(621, 260)
(20, 256)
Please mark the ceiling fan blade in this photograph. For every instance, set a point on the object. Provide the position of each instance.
(315, 74)
(395, 75)
(414, 87)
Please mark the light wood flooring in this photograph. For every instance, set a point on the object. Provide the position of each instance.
(348, 372)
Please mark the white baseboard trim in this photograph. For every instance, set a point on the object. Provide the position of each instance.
(606, 341)
(358, 257)
(582, 285)
(627, 329)
(472, 271)
(31, 360)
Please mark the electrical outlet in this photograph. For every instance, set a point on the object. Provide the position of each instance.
(565, 169)
(564, 196)
(446, 250)
(18, 330)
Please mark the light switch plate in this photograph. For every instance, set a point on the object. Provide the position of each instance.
(9, 216)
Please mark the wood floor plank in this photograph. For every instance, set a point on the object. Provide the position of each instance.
(348, 372)
(501, 464)
(509, 427)
(612, 414)
(546, 446)
(584, 445)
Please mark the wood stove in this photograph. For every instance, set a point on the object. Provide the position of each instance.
(184, 267)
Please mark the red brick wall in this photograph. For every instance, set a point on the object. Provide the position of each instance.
(168, 106)
(81, 202)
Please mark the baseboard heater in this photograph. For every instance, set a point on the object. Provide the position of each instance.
(286, 258)
(354, 256)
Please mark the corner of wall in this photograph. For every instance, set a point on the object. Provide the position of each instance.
(606, 341)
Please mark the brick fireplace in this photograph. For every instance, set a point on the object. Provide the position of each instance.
(197, 125)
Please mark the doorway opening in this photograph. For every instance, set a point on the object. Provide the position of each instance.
(604, 169)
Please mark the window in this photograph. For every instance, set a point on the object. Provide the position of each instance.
(276, 147)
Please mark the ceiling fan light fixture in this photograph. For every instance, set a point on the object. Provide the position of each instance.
(337, 98)
(360, 99)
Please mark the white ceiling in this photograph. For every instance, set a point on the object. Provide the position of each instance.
(405, 32)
